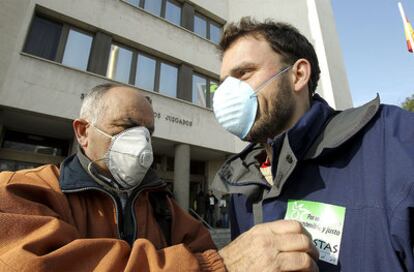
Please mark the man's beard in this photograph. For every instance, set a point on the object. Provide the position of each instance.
(271, 124)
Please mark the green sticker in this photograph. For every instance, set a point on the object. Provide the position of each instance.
(324, 222)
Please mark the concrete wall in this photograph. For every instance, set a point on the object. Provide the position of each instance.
(12, 18)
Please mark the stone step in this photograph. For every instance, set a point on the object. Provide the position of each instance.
(221, 237)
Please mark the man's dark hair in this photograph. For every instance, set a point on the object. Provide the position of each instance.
(283, 38)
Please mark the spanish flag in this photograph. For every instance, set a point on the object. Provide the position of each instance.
(408, 29)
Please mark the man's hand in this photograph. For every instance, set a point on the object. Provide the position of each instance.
(282, 245)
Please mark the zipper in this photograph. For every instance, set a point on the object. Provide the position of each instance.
(119, 236)
(116, 204)
(134, 221)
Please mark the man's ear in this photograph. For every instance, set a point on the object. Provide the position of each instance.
(80, 128)
(301, 74)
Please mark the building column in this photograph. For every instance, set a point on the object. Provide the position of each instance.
(182, 175)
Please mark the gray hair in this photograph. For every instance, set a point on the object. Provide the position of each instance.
(93, 105)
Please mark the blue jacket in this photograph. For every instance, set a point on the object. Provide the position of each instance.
(361, 159)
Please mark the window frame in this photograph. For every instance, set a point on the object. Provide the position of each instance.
(63, 39)
(164, 8)
(132, 60)
(207, 25)
(208, 84)
(175, 3)
(158, 72)
(30, 28)
(135, 60)
(209, 22)
(66, 29)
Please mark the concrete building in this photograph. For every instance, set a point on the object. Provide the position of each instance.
(53, 51)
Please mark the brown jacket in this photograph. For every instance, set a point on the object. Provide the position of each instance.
(45, 229)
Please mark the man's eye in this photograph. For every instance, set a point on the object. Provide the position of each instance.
(244, 73)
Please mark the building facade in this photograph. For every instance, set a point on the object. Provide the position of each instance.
(53, 51)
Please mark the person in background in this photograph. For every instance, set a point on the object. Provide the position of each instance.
(211, 202)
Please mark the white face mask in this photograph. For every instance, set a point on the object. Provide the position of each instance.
(235, 104)
(129, 156)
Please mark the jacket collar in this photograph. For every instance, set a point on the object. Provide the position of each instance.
(319, 129)
(74, 176)
(342, 127)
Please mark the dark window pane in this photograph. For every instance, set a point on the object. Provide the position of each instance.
(173, 13)
(153, 6)
(134, 2)
(199, 90)
(77, 50)
(215, 33)
(197, 167)
(168, 80)
(119, 65)
(200, 26)
(145, 76)
(35, 143)
(11, 165)
(43, 38)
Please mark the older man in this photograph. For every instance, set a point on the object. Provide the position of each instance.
(106, 210)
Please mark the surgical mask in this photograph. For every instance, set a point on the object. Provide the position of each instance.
(235, 104)
(129, 156)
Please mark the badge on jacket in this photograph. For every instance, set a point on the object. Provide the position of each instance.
(324, 222)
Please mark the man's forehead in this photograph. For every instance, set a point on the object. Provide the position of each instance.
(245, 51)
(124, 106)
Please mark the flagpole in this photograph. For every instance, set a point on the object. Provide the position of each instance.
(406, 29)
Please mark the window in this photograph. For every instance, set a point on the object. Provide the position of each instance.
(212, 89)
(35, 144)
(22, 150)
(119, 64)
(173, 12)
(58, 42)
(215, 33)
(153, 6)
(203, 90)
(207, 28)
(199, 90)
(13, 165)
(168, 9)
(134, 2)
(168, 80)
(77, 50)
(149, 73)
(200, 25)
(43, 38)
(145, 76)
(197, 167)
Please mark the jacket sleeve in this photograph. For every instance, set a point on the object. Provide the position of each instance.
(37, 233)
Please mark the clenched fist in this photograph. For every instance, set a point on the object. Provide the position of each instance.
(282, 245)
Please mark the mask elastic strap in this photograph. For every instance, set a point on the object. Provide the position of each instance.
(99, 178)
(264, 84)
(102, 132)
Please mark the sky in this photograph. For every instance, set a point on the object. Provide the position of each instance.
(374, 49)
